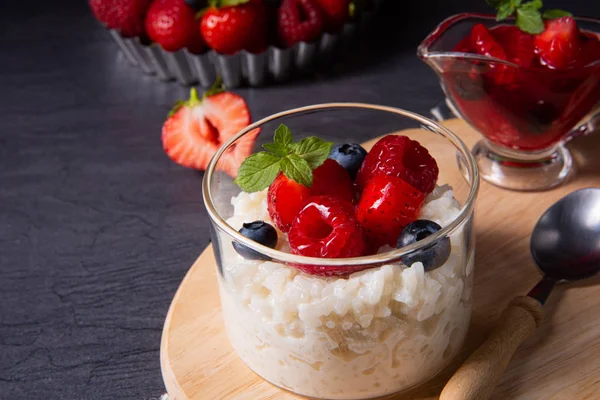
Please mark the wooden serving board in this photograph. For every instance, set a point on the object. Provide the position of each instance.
(561, 361)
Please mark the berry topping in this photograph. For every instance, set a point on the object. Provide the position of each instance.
(260, 232)
(387, 205)
(333, 180)
(126, 16)
(196, 128)
(299, 21)
(484, 43)
(558, 46)
(172, 24)
(403, 158)
(350, 156)
(433, 256)
(327, 227)
(335, 13)
(285, 199)
(517, 44)
(230, 26)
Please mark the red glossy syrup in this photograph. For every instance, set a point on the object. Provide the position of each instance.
(530, 107)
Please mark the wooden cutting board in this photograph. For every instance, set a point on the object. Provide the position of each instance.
(561, 361)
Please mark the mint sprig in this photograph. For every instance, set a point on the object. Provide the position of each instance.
(295, 159)
(528, 16)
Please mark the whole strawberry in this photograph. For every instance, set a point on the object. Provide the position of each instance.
(336, 12)
(299, 21)
(126, 16)
(229, 26)
(172, 24)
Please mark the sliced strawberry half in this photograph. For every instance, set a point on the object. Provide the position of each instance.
(559, 45)
(196, 128)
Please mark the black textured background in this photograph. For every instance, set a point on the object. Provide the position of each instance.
(97, 226)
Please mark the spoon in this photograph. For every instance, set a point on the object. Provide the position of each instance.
(565, 245)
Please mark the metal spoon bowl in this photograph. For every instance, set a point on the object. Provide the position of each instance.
(565, 242)
(565, 245)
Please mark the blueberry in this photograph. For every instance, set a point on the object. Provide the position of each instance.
(350, 156)
(433, 256)
(260, 232)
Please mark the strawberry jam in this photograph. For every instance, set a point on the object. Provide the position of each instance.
(548, 84)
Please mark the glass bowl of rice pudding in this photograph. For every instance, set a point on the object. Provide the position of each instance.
(390, 326)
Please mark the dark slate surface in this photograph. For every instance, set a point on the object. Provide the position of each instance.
(97, 226)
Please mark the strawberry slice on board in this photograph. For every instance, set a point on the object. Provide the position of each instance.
(196, 128)
(558, 46)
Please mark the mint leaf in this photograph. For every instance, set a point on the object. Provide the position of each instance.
(505, 10)
(529, 18)
(556, 13)
(297, 169)
(295, 160)
(283, 135)
(258, 171)
(534, 5)
(312, 149)
(277, 149)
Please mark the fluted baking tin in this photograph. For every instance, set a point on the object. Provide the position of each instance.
(242, 68)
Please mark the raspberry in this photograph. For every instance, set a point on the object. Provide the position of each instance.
(327, 227)
(286, 197)
(403, 158)
(299, 21)
(386, 206)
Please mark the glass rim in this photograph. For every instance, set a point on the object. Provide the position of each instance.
(391, 256)
(424, 53)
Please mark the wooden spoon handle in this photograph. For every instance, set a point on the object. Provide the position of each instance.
(479, 375)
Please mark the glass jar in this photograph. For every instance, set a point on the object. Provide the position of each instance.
(382, 330)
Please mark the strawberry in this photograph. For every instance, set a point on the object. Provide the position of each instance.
(558, 45)
(484, 43)
(126, 16)
(518, 45)
(299, 21)
(196, 128)
(387, 205)
(330, 178)
(327, 228)
(400, 157)
(172, 24)
(284, 200)
(229, 29)
(335, 13)
(286, 197)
